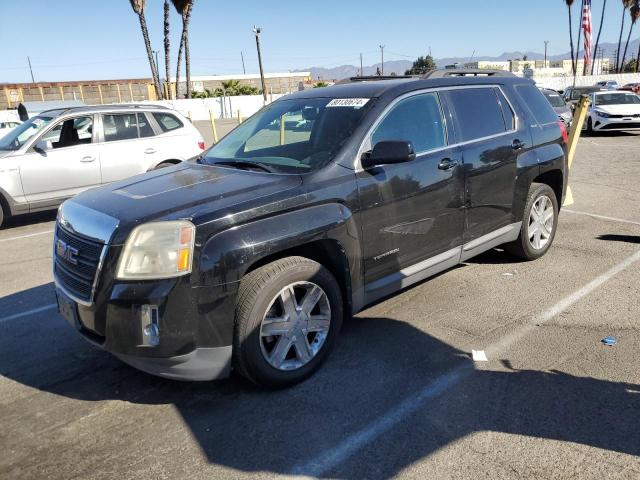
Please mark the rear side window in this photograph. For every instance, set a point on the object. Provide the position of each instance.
(417, 119)
(537, 103)
(144, 126)
(167, 121)
(478, 113)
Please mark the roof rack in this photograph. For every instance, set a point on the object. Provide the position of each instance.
(467, 72)
(372, 78)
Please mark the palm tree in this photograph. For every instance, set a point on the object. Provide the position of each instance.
(595, 49)
(625, 5)
(138, 7)
(183, 7)
(573, 56)
(167, 50)
(579, 35)
(634, 12)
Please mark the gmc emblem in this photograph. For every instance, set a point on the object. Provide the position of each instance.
(67, 252)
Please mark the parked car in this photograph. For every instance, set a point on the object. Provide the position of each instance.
(251, 256)
(631, 87)
(7, 126)
(559, 106)
(608, 85)
(613, 111)
(60, 153)
(572, 95)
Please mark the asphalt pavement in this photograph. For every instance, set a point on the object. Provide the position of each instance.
(399, 396)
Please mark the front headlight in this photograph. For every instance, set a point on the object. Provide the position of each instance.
(602, 114)
(158, 250)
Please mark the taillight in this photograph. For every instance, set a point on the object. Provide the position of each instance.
(201, 145)
(563, 130)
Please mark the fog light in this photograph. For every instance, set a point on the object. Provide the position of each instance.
(149, 326)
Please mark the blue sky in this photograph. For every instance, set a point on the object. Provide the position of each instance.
(100, 39)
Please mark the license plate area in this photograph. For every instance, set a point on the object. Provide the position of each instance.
(68, 309)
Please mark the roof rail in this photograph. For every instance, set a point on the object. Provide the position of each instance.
(467, 72)
(372, 78)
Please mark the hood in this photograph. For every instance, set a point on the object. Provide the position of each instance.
(627, 109)
(188, 191)
(5, 153)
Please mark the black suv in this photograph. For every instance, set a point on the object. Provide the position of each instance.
(250, 256)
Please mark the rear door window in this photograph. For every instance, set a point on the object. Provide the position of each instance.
(167, 121)
(125, 126)
(537, 103)
(478, 113)
(417, 119)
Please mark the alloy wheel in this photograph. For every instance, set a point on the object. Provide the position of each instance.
(541, 222)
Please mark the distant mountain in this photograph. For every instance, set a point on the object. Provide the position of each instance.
(400, 66)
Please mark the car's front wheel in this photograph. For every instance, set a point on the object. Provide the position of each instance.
(539, 223)
(288, 316)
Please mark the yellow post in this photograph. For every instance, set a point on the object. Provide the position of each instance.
(282, 130)
(21, 94)
(166, 91)
(151, 93)
(119, 94)
(239, 117)
(41, 93)
(131, 91)
(213, 127)
(81, 93)
(579, 117)
(6, 94)
(61, 90)
(100, 93)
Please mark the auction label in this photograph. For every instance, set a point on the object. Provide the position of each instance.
(348, 102)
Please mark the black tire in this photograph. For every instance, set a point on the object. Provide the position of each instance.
(164, 165)
(590, 131)
(522, 247)
(257, 291)
(1, 215)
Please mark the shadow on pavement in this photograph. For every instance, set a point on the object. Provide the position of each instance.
(610, 237)
(378, 363)
(29, 219)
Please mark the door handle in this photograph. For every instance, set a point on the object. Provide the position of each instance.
(149, 151)
(518, 144)
(88, 159)
(447, 164)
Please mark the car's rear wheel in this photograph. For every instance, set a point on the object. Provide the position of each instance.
(164, 165)
(590, 130)
(1, 215)
(288, 316)
(539, 223)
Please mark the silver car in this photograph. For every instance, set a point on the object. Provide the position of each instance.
(60, 153)
(559, 105)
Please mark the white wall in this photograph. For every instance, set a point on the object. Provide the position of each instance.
(561, 83)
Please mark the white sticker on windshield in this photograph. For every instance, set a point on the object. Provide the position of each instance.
(348, 102)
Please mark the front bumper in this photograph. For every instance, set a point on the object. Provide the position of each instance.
(602, 124)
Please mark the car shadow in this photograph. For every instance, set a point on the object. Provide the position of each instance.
(378, 364)
(611, 237)
(29, 219)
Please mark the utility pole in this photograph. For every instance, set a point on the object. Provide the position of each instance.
(257, 30)
(244, 70)
(382, 53)
(546, 46)
(30, 69)
(361, 70)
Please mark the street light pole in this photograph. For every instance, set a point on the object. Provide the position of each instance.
(30, 69)
(244, 70)
(382, 53)
(546, 45)
(257, 30)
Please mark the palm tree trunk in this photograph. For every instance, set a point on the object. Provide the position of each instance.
(152, 62)
(624, 55)
(167, 51)
(180, 52)
(187, 59)
(638, 60)
(573, 57)
(579, 35)
(624, 15)
(595, 50)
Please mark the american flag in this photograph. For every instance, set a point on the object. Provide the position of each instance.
(586, 26)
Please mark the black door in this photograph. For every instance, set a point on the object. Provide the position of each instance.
(491, 142)
(411, 211)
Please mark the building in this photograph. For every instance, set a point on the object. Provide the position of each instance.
(601, 66)
(488, 65)
(275, 82)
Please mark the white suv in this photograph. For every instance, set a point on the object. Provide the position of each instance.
(60, 153)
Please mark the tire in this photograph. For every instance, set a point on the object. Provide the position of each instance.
(526, 246)
(590, 131)
(1, 215)
(164, 165)
(256, 354)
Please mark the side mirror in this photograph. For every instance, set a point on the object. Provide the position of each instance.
(43, 145)
(389, 152)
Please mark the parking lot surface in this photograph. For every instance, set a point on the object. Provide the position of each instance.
(400, 395)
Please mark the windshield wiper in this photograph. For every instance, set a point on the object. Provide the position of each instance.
(245, 164)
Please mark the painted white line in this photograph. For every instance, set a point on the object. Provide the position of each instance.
(27, 313)
(329, 459)
(25, 236)
(601, 217)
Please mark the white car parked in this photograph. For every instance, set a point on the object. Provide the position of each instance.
(7, 126)
(613, 111)
(60, 153)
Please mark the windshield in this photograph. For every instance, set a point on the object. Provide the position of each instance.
(555, 100)
(617, 99)
(291, 136)
(21, 134)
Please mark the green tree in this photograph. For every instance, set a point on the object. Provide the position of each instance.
(138, 7)
(626, 4)
(595, 48)
(184, 7)
(569, 4)
(320, 84)
(421, 66)
(634, 12)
